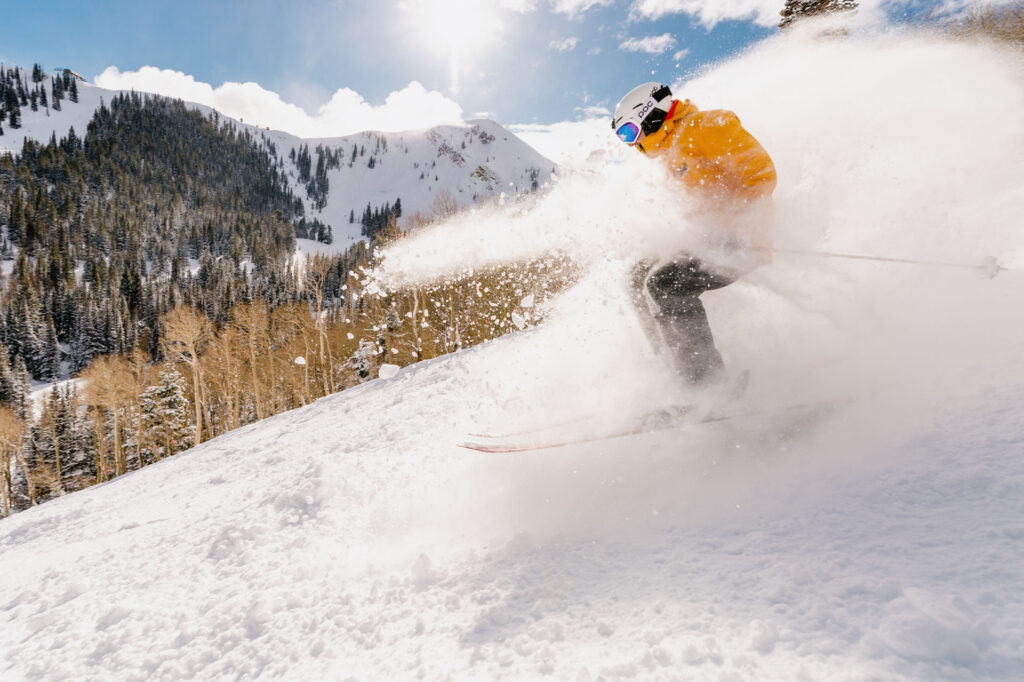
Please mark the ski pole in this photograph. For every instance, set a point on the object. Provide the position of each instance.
(989, 267)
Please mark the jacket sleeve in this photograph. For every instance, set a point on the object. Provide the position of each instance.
(743, 163)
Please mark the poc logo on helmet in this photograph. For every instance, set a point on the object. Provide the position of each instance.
(645, 110)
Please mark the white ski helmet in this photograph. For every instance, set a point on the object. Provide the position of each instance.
(641, 112)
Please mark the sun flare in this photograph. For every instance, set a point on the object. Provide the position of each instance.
(456, 29)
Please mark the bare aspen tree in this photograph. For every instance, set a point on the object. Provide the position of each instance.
(119, 390)
(93, 384)
(444, 205)
(251, 320)
(186, 331)
(11, 429)
(138, 370)
(313, 281)
(417, 339)
(293, 322)
(223, 362)
(109, 385)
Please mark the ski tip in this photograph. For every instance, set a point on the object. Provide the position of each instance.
(484, 447)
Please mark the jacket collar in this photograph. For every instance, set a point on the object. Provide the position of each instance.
(657, 141)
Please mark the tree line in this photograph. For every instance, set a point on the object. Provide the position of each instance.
(154, 257)
(127, 412)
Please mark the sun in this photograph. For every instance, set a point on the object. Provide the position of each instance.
(457, 29)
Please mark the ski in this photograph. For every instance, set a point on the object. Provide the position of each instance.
(674, 411)
(671, 411)
(660, 420)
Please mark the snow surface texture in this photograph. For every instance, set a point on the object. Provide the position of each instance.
(351, 539)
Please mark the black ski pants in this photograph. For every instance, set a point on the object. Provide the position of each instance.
(668, 301)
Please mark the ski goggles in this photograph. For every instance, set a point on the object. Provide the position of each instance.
(631, 133)
(628, 132)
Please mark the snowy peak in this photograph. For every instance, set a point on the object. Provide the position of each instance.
(339, 178)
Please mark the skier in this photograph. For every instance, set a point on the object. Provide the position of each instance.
(730, 178)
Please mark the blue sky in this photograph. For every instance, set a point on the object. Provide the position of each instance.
(306, 49)
(519, 61)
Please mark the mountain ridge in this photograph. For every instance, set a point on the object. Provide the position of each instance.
(478, 160)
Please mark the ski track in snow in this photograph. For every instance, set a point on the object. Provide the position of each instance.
(329, 542)
(279, 550)
(352, 539)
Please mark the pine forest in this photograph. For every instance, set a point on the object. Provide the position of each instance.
(153, 256)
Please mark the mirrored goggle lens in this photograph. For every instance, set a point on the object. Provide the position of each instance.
(628, 132)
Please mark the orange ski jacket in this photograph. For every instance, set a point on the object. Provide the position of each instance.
(712, 155)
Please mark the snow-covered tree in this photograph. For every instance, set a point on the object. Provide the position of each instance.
(21, 388)
(6, 376)
(797, 9)
(165, 416)
(364, 360)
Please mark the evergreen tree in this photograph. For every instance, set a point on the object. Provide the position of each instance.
(797, 9)
(58, 445)
(80, 459)
(12, 107)
(6, 377)
(57, 92)
(22, 388)
(165, 415)
(364, 360)
(16, 224)
(50, 355)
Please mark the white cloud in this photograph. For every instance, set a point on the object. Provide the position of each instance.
(566, 45)
(521, 6)
(650, 45)
(593, 51)
(594, 111)
(570, 143)
(574, 8)
(346, 112)
(710, 12)
(681, 55)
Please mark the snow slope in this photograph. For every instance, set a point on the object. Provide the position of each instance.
(353, 540)
(42, 124)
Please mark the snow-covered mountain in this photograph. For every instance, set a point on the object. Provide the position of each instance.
(352, 539)
(472, 162)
